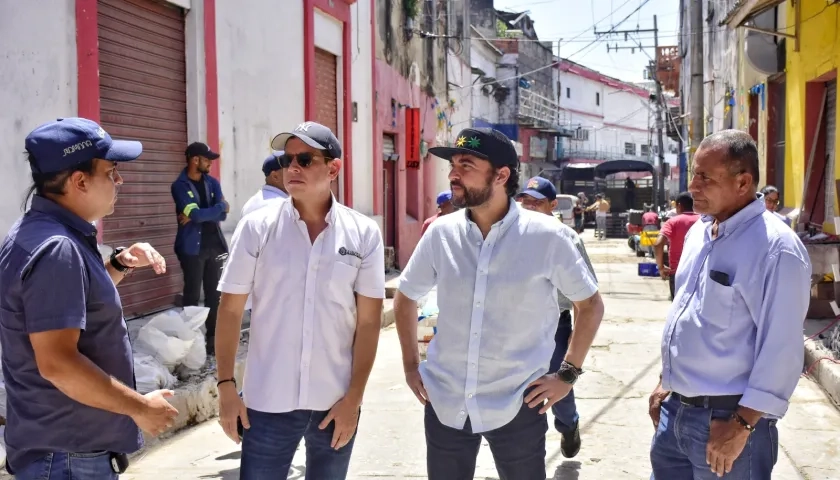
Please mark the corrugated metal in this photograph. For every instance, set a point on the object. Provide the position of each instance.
(326, 91)
(831, 154)
(388, 144)
(143, 89)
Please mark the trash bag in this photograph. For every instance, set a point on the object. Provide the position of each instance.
(195, 316)
(197, 355)
(151, 375)
(172, 324)
(169, 350)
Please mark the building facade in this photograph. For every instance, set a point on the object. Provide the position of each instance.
(171, 72)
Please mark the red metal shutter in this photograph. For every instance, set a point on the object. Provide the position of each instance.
(143, 90)
(326, 91)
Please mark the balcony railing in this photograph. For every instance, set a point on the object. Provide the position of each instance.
(541, 112)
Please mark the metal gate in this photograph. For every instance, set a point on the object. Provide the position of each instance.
(326, 91)
(143, 90)
(830, 155)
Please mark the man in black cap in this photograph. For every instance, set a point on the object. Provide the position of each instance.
(274, 188)
(497, 268)
(200, 244)
(320, 266)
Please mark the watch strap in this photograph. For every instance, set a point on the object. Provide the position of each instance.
(116, 263)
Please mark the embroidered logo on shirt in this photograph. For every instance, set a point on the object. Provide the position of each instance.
(344, 251)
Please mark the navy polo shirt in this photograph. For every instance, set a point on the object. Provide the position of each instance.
(52, 277)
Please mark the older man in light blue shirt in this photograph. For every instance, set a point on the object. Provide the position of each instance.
(497, 268)
(732, 349)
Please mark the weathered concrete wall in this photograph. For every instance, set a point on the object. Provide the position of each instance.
(362, 95)
(39, 84)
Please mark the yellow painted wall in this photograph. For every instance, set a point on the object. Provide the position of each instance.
(819, 53)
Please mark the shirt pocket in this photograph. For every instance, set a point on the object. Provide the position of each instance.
(717, 303)
(343, 282)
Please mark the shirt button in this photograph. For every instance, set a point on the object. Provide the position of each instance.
(475, 334)
(469, 396)
(472, 365)
(477, 304)
(462, 412)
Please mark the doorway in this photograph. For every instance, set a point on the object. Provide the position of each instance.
(389, 188)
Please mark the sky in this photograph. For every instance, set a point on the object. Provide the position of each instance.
(573, 20)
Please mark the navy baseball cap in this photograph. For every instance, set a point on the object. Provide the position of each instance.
(313, 134)
(486, 143)
(540, 188)
(198, 149)
(444, 197)
(68, 142)
(271, 163)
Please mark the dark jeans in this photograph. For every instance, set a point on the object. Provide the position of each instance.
(69, 466)
(565, 411)
(678, 451)
(518, 448)
(268, 447)
(203, 269)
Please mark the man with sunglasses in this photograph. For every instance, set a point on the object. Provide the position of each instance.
(317, 304)
(200, 244)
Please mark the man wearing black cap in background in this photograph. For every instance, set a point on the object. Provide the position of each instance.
(497, 268)
(200, 244)
(273, 190)
(540, 195)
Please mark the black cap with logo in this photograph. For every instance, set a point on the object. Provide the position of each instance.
(486, 143)
(198, 149)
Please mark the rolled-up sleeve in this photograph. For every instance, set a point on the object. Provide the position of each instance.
(370, 282)
(569, 272)
(779, 345)
(54, 287)
(238, 275)
(420, 276)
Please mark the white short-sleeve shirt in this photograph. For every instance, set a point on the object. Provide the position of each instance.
(303, 319)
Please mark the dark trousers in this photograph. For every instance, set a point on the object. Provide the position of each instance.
(678, 451)
(671, 285)
(268, 447)
(518, 448)
(565, 411)
(203, 269)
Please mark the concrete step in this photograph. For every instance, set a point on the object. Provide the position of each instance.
(392, 281)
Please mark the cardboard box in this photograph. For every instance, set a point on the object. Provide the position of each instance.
(823, 291)
(820, 310)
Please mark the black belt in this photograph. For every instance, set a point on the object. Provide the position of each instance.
(721, 402)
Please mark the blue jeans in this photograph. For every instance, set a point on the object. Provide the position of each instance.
(268, 447)
(678, 451)
(69, 466)
(565, 411)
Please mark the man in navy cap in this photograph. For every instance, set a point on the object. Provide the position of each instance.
(540, 195)
(323, 266)
(497, 268)
(67, 361)
(273, 190)
(444, 203)
(200, 244)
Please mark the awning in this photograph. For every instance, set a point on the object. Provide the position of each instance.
(544, 166)
(616, 166)
(744, 10)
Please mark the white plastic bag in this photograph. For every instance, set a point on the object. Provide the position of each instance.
(197, 355)
(172, 325)
(151, 375)
(195, 317)
(170, 351)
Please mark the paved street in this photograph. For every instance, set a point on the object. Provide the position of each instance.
(622, 368)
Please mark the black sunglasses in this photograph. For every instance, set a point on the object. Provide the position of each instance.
(303, 159)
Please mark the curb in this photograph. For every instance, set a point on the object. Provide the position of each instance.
(826, 374)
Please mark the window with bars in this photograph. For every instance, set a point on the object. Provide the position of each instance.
(629, 148)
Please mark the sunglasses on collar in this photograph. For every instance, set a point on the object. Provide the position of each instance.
(303, 159)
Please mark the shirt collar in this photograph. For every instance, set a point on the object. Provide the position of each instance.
(330, 218)
(752, 210)
(273, 189)
(506, 221)
(48, 207)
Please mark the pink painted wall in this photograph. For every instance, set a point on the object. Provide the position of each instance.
(393, 86)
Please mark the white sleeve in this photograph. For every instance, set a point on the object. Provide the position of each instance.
(420, 275)
(238, 275)
(370, 281)
(569, 272)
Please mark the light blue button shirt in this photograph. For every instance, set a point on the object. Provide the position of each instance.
(744, 339)
(498, 310)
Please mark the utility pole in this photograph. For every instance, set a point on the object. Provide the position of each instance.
(659, 177)
(696, 92)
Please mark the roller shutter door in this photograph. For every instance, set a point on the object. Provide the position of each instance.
(143, 92)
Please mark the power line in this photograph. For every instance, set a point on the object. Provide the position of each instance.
(642, 4)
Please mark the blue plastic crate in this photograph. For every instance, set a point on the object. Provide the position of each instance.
(648, 270)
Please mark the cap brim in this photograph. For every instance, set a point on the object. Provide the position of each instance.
(447, 153)
(123, 151)
(532, 193)
(279, 142)
(211, 155)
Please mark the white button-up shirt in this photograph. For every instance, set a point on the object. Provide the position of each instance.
(265, 196)
(303, 320)
(498, 310)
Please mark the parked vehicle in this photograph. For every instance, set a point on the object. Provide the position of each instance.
(565, 208)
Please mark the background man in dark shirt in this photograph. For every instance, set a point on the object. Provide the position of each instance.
(200, 244)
